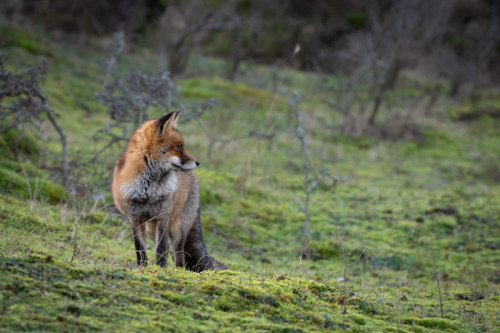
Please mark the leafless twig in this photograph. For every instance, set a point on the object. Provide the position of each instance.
(117, 48)
(344, 311)
(309, 184)
(439, 290)
(30, 104)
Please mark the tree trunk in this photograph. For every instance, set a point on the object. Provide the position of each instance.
(390, 78)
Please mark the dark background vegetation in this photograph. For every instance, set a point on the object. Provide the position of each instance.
(454, 39)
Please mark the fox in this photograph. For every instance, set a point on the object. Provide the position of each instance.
(155, 188)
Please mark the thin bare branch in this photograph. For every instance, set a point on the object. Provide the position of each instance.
(30, 103)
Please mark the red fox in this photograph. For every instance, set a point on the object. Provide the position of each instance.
(153, 186)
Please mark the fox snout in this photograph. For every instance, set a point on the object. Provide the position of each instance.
(183, 162)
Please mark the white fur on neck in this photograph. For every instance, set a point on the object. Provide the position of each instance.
(143, 187)
(171, 185)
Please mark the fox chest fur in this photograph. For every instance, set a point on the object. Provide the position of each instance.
(151, 193)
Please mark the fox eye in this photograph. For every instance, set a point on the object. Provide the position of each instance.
(177, 148)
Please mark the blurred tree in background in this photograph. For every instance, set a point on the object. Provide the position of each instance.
(454, 39)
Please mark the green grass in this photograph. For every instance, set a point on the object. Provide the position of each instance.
(409, 208)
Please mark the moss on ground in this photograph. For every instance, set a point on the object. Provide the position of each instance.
(47, 294)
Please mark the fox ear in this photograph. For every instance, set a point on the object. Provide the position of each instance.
(168, 121)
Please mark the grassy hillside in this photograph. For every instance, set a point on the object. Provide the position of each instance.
(410, 209)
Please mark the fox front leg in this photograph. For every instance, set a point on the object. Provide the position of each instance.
(161, 240)
(178, 241)
(179, 255)
(139, 235)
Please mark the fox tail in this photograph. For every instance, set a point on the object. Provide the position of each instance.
(197, 258)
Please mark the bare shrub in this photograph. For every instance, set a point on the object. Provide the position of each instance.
(128, 101)
(311, 181)
(404, 121)
(394, 42)
(22, 100)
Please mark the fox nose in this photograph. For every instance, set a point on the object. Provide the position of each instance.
(197, 163)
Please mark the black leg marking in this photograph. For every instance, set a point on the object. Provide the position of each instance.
(139, 235)
(179, 257)
(161, 245)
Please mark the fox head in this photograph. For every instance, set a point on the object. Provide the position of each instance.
(164, 144)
